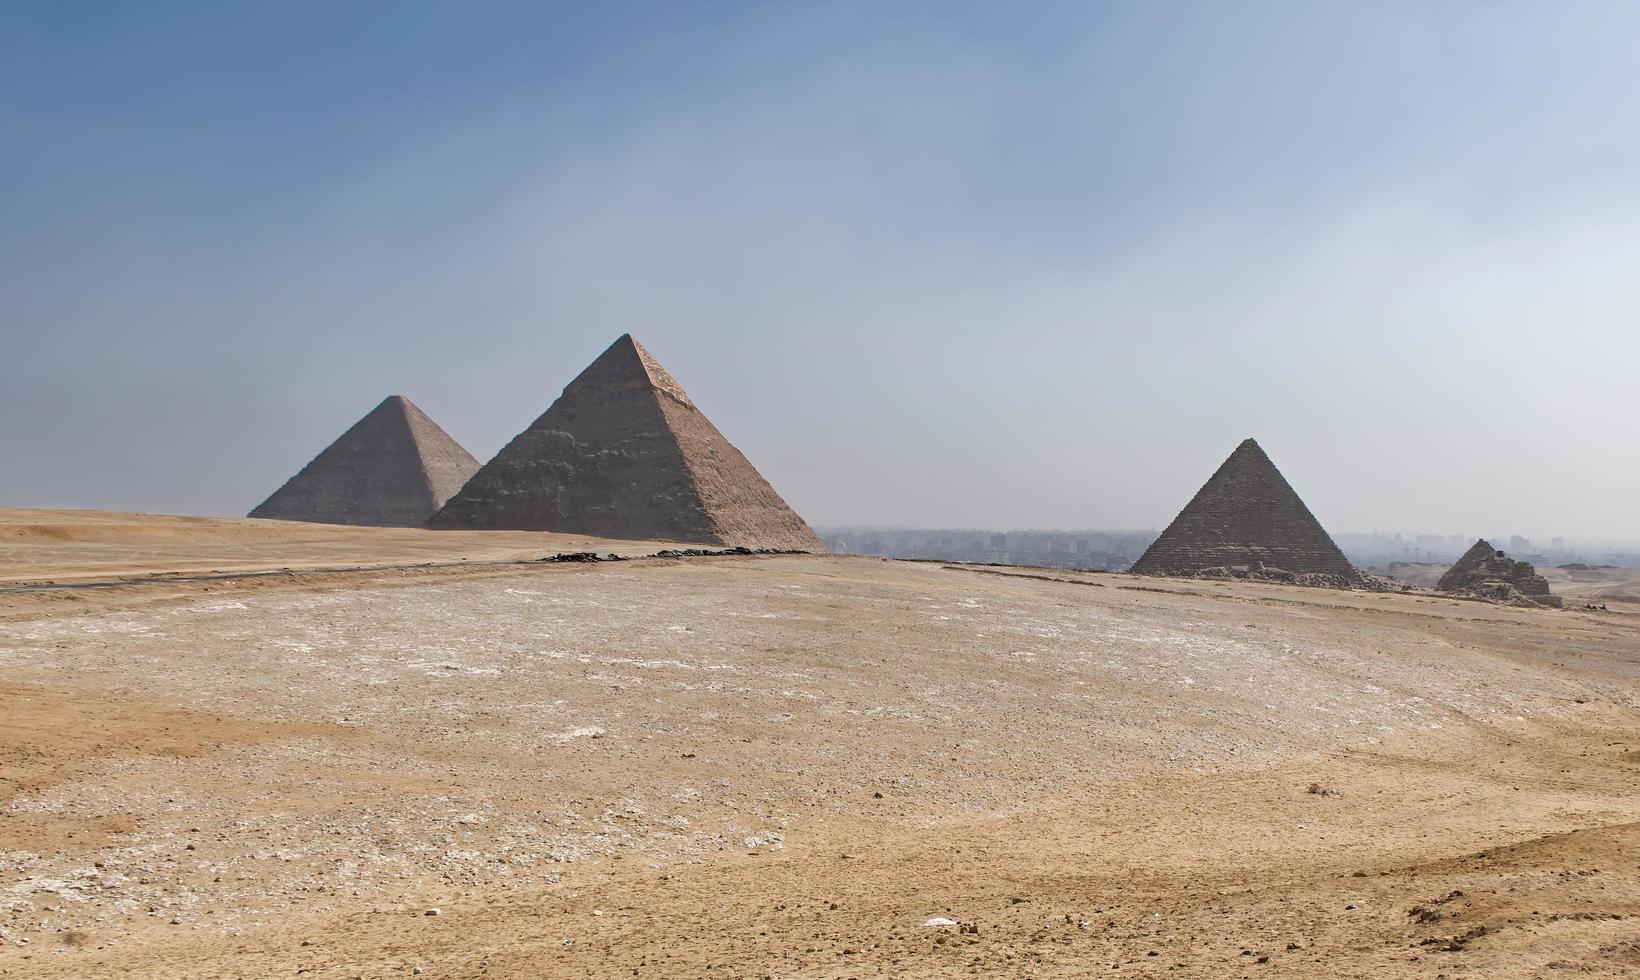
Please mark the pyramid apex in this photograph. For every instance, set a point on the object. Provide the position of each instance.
(627, 360)
(400, 402)
(1481, 550)
(627, 342)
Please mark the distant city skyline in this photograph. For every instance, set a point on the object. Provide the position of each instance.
(1115, 549)
(1413, 539)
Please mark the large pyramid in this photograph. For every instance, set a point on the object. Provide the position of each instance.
(624, 453)
(393, 468)
(1246, 517)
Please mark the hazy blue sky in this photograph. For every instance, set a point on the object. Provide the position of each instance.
(1002, 264)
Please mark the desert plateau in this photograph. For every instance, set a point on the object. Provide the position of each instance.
(357, 752)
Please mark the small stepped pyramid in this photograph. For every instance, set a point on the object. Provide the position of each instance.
(394, 468)
(624, 453)
(1248, 520)
(1484, 572)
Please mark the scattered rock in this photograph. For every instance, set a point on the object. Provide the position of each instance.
(1432, 911)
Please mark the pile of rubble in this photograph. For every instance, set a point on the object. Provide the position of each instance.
(1260, 572)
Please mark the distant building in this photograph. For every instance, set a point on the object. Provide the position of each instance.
(1081, 549)
(1432, 543)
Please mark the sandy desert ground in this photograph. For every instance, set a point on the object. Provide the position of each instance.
(65, 546)
(787, 767)
(1599, 584)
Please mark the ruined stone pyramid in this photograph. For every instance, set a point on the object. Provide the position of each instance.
(1487, 573)
(1246, 517)
(394, 468)
(624, 453)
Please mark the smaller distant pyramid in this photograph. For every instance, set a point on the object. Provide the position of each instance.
(1247, 521)
(624, 453)
(394, 468)
(1484, 572)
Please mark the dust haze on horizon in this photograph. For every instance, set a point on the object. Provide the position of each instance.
(928, 265)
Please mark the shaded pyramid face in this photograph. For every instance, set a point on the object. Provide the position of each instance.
(394, 468)
(624, 453)
(1246, 513)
